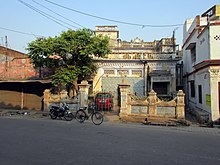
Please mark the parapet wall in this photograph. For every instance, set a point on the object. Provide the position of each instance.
(80, 101)
(133, 108)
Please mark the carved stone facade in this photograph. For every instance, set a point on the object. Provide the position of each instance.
(145, 65)
(151, 107)
(135, 48)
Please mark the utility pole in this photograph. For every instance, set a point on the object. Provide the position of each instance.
(174, 43)
(6, 56)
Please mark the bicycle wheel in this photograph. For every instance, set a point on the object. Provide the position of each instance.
(68, 116)
(80, 116)
(97, 118)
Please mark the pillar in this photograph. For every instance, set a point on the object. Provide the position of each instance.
(180, 107)
(152, 99)
(83, 93)
(63, 95)
(124, 87)
(46, 99)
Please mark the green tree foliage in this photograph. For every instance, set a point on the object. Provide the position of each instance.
(75, 49)
(40, 50)
(64, 76)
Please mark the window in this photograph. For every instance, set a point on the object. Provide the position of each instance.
(192, 88)
(192, 48)
(193, 54)
(200, 93)
(108, 72)
(123, 72)
(137, 72)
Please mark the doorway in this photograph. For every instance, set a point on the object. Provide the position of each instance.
(161, 88)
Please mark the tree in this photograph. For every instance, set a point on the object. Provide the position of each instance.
(73, 51)
(64, 76)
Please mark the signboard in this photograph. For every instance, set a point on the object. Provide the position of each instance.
(208, 100)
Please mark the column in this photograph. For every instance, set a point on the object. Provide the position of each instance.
(83, 93)
(46, 99)
(63, 95)
(124, 87)
(152, 98)
(180, 107)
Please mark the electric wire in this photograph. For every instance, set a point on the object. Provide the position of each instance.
(50, 17)
(20, 32)
(57, 13)
(47, 15)
(111, 20)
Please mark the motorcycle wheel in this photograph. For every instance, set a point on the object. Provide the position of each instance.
(80, 116)
(53, 115)
(97, 118)
(68, 116)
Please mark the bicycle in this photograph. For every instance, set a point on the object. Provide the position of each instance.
(81, 116)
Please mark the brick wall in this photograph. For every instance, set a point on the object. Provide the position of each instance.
(15, 65)
(12, 53)
(17, 69)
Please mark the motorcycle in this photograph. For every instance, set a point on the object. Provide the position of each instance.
(61, 111)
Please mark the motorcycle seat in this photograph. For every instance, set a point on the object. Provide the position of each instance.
(55, 107)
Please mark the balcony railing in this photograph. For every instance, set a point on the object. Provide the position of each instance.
(147, 56)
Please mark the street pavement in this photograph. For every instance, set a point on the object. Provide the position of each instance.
(113, 118)
(42, 141)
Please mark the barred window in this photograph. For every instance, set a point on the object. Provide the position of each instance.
(108, 72)
(137, 72)
(123, 72)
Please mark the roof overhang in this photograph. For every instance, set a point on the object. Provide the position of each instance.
(25, 81)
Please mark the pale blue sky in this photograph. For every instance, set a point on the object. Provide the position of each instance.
(15, 16)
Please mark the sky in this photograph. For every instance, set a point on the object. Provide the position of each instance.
(22, 21)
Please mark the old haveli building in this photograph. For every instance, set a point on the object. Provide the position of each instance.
(145, 65)
(201, 58)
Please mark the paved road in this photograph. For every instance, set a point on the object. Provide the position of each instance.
(28, 141)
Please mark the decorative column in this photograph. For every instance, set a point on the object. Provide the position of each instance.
(63, 95)
(180, 107)
(123, 87)
(46, 99)
(152, 99)
(83, 93)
